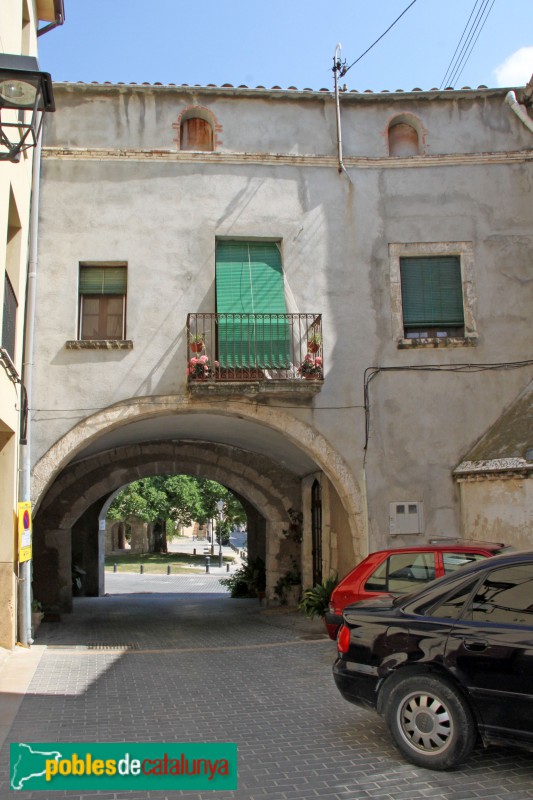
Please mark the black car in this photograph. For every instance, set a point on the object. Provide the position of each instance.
(447, 663)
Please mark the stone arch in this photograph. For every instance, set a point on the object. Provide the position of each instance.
(303, 436)
(70, 478)
(264, 484)
(85, 482)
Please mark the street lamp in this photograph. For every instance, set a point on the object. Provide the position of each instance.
(220, 506)
(26, 90)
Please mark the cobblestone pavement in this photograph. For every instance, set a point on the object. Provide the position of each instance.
(204, 667)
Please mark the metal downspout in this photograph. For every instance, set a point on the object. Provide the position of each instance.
(519, 110)
(59, 8)
(336, 68)
(25, 637)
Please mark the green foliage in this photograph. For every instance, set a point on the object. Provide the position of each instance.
(292, 577)
(315, 601)
(180, 498)
(248, 580)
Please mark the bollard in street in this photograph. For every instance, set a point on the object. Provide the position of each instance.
(207, 560)
(114, 567)
(168, 569)
(194, 551)
(141, 568)
(227, 567)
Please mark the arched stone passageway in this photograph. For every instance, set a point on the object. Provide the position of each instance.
(79, 472)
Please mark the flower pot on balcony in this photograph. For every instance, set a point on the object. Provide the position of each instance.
(313, 347)
(196, 347)
(317, 377)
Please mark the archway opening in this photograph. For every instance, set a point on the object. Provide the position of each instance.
(267, 462)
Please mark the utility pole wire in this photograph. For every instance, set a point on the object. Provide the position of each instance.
(458, 45)
(343, 69)
(463, 65)
(459, 60)
(475, 25)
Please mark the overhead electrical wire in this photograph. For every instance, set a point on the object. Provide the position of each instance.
(372, 372)
(464, 48)
(343, 69)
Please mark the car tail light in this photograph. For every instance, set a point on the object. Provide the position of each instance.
(343, 639)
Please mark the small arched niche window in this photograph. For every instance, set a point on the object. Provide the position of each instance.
(404, 138)
(196, 130)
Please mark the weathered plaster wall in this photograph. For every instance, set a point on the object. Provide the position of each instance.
(144, 117)
(498, 510)
(162, 211)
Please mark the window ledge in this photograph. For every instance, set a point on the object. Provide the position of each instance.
(449, 341)
(99, 344)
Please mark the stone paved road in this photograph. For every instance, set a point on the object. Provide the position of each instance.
(208, 668)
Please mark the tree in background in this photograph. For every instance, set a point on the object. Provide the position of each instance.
(181, 499)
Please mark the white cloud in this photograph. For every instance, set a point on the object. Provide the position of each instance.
(517, 69)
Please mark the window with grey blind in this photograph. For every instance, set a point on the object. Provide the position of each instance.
(9, 319)
(432, 296)
(102, 293)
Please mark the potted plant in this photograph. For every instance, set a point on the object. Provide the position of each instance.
(315, 601)
(287, 588)
(311, 368)
(196, 342)
(36, 615)
(200, 369)
(314, 340)
(247, 581)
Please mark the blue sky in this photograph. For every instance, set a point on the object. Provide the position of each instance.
(288, 42)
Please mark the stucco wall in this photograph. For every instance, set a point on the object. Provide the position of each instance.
(17, 38)
(161, 213)
(283, 122)
(499, 510)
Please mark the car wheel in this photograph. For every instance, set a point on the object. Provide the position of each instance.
(431, 723)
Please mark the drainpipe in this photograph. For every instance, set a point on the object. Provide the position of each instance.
(27, 380)
(337, 64)
(519, 110)
(59, 13)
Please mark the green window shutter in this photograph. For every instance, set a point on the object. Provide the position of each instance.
(250, 295)
(103, 280)
(432, 293)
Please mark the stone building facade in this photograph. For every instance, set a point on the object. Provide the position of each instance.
(409, 252)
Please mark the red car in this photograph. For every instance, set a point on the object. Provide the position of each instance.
(402, 570)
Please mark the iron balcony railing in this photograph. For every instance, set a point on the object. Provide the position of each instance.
(258, 347)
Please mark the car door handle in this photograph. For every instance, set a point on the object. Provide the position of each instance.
(475, 645)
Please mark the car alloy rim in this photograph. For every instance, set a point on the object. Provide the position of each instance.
(425, 723)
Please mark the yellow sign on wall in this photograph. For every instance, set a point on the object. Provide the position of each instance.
(24, 529)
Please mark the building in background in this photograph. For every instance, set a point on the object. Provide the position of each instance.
(20, 22)
(329, 333)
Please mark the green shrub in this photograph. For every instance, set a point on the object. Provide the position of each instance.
(248, 580)
(291, 578)
(315, 601)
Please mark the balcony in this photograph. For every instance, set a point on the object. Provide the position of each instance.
(255, 354)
